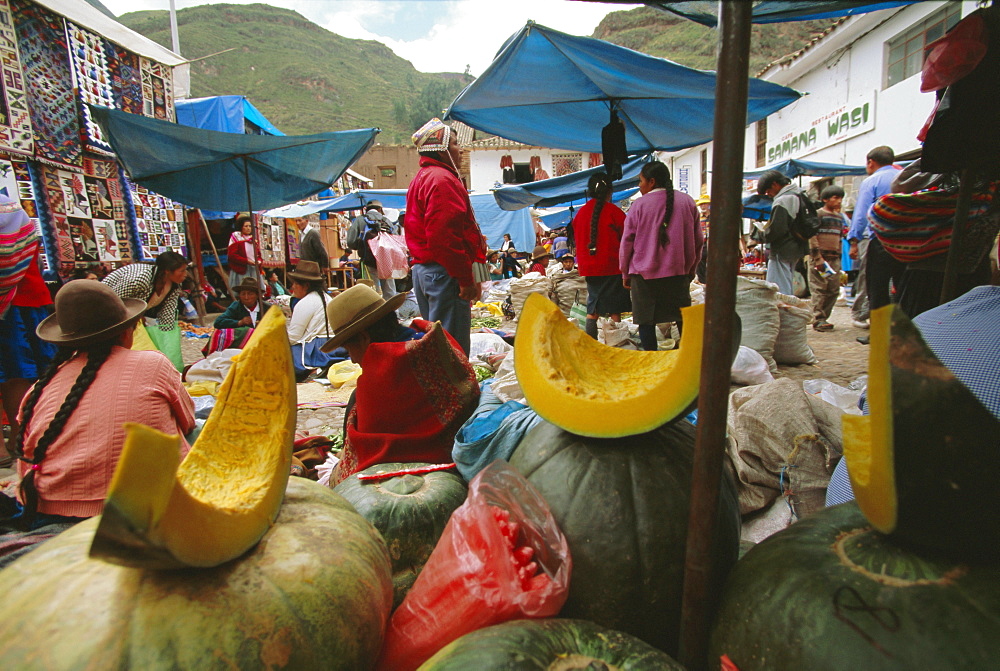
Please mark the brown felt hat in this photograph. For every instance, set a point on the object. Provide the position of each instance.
(306, 270)
(354, 310)
(248, 284)
(539, 253)
(88, 311)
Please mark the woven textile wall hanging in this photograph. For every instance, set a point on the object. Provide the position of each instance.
(41, 40)
(15, 118)
(93, 80)
(159, 222)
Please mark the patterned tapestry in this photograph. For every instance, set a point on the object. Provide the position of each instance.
(15, 180)
(126, 78)
(159, 222)
(41, 40)
(157, 90)
(93, 80)
(87, 212)
(15, 119)
(270, 235)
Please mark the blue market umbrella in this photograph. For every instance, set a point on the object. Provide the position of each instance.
(228, 171)
(550, 89)
(565, 188)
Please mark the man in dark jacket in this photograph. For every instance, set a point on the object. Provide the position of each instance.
(786, 248)
(363, 229)
(311, 245)
(244, 312)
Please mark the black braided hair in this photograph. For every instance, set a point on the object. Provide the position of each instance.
(657, 171)
(97, 354)
(598, 188)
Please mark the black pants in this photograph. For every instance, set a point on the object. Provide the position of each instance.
(881, 268)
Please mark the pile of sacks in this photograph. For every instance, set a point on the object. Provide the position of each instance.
(774, 324)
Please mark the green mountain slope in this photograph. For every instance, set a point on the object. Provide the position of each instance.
(658, 33)
(304, 78)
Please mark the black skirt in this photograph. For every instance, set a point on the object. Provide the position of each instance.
(606, 295)
(660, 300)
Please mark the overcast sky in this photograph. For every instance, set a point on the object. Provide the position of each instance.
(434, 35)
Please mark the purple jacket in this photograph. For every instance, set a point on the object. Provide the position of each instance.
(641, 253)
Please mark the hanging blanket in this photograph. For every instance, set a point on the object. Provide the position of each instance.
(49, 84)
(15, 119)
(126, 78)
(92, 79)
(159, 222)
(411, 400)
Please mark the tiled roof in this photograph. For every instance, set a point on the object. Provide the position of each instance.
(470, 138)
(789, 58)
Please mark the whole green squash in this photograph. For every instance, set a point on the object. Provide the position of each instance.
(315, 593)
(831, 592)
(549, 645)
(623, 505)
(410, 511)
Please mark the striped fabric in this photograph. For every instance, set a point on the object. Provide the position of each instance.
(19, 244)
(917, 226)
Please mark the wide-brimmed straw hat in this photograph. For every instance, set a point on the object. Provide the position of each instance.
(306, 270)
(248, 284)
(703, 199)
(88, 311)
(540, 253)
(354, 310)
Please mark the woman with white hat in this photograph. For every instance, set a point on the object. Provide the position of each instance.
(72, 419)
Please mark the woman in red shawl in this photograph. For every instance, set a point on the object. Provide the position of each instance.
(416, 390)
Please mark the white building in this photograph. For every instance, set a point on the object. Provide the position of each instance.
(862, 85)
(488, 156)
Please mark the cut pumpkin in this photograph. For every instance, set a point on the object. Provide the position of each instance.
(923, 463)
(218, 502)
(594, 390)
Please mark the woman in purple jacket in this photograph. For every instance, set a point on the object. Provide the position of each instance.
(659, 252)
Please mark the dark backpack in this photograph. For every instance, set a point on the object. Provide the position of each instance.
(806, 224)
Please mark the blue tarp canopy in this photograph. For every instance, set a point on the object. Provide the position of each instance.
(565, 188)
(550, 89)
(493, 221)
(794, 168)
(775, 11)
(228, 114)
(228, 171)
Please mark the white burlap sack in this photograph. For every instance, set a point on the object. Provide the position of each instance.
(783, 442)
(568, 288)
(757, 306)
(505, 384)
(750, 368)
(520, 288)
(792, 344)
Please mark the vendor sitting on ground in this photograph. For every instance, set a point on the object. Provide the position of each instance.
(540, 258)
(565, 257)
(72, 433)
(234, 327)
(416, 391)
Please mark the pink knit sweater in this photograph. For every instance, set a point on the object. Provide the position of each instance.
(131, 386)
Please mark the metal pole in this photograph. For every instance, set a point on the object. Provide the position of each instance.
(175, 40)
(949, 287)
(723, 261)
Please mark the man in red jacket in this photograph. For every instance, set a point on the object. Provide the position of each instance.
(442, 234)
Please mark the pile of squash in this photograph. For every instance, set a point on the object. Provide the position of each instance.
(905, 577)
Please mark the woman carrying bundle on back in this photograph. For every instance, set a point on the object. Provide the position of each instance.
(597, 230)
(660, 249)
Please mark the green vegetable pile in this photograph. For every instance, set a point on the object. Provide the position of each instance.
(486, 322)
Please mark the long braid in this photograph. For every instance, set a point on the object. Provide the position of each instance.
(97, 354)
(668, 211)
(599, 189)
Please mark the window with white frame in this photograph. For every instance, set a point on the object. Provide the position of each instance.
(906, 52)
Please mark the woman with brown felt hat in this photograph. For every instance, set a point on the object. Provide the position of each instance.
(72, 419)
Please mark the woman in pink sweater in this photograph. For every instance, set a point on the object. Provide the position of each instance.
(659, 253)
(72, 433)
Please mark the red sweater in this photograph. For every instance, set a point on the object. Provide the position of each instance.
(609, 237)
(440, 225)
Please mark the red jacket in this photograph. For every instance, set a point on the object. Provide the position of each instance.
(609, 237)
(440, 225)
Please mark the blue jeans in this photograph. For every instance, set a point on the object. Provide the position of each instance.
(437, 298)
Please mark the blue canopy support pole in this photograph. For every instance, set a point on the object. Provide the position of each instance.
(727, 177)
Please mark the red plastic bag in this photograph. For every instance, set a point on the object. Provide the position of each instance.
(391, 255)
(481, 570)
(955, 55)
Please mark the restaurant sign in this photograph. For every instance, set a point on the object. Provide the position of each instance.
(834, 126)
